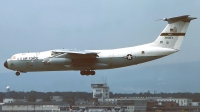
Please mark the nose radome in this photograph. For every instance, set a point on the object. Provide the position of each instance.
(6, 64)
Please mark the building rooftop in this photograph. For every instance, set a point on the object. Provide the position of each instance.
(37, 103)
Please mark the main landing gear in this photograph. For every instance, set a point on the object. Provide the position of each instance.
(87, 72)
(17, 73)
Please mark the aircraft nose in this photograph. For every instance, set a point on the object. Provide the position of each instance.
(6, 64)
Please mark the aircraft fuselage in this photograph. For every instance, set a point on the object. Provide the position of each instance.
(107, 59)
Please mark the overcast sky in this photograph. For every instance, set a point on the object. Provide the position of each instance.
(39, 25)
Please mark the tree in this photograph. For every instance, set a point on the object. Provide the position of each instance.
(46, 99)
(140, 94)
(31, 98)
(69, 100)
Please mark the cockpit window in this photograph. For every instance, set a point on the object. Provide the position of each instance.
(13, 57)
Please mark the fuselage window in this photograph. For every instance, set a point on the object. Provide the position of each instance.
(142, 52)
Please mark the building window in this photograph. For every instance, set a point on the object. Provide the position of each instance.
(98, 90)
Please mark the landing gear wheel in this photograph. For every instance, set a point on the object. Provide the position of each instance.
(17, 73)
(82, 72)
(87, 73)
(92, 72)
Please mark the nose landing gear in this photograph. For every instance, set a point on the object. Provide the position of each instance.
(87, 72)
(17, 73)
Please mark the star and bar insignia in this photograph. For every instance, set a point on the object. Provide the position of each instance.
(129, 57)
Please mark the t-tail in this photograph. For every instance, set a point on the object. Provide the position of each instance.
(173, 34)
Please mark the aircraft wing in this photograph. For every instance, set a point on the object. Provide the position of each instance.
(74, 53)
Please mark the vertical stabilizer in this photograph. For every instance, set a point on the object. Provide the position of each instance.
(174, 33)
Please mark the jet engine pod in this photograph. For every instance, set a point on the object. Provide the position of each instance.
(59, 61)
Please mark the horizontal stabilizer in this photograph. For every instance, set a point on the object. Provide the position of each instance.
(184, 18)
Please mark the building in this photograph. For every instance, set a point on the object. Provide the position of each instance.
(8, 100)
(1, 104)
(180, 101)
(131, 104)
(195, 104)
(35, 107)
(127, 104)
(100, 91)
(57, 98)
